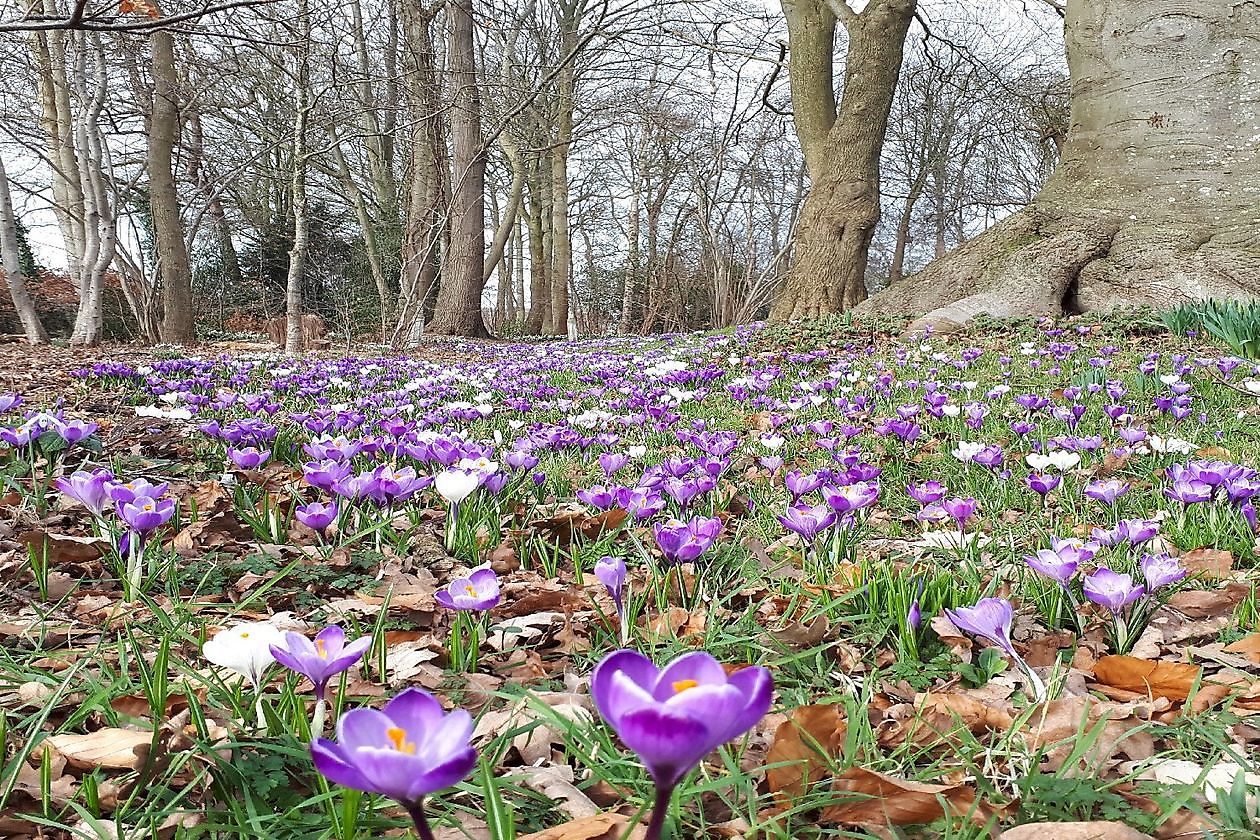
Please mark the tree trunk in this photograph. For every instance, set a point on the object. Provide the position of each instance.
(833, 236)
(1153, 199)
(100, 226)
(428, 189)
(301, 225)
(539, 292)
(458, 308)
(22, 302)
(173, 270)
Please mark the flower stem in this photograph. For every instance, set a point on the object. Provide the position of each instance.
(657, 824)
(422, 825)
(317, 722)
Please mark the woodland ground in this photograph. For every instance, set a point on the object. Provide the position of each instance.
(114, 725)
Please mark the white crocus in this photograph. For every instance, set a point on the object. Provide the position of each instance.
(245, 649)
(967, 449)
(455, 485)
(1058, 459)
(772, 442)
(636, 451)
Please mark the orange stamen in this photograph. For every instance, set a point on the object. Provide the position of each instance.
(682, 685)
(398, 737)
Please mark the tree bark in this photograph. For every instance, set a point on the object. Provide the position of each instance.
(833, 236)
(1153, 199)
(458, 308)
(301, 224)
(539, 292)
(428, 190)
(13, 277)
(173, 269)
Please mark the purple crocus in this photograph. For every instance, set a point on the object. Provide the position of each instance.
(611, 571)
(89, 489)
(478, 591)
(1106, 491)
(929, 492)
(1189, 491)
(612, 462)
(808, 520)
(683, 542)
(1043, 483)
(1161, 570)
(248, 457)
(406, 751)
(73, 431)
(990, 619)
(321, 659)
(1111, 589)
(317, 515)
(673, 717)
(960, 510)
(1058, 566)
(145, 514)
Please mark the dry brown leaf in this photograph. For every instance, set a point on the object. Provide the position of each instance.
(810, 738)
(1209, 562)
(1248, 646)
(111, 748)
(1073, 831)
(610, 826)
(1153, 678)
(555, 782)
(886, 800)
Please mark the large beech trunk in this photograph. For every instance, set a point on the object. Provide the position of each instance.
(173, 267)
(458, 308)
(1153, 201)
(842, 150)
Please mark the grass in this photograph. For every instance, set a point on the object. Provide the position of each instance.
(89, 663)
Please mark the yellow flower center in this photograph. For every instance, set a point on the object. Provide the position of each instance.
(398, 737)
(471, 590)
(245, 635)
(321, 649)
(682, 685)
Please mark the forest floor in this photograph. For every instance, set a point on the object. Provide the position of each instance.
(838, 491)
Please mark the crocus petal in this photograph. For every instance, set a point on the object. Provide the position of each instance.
(669, 744)
(330, 761)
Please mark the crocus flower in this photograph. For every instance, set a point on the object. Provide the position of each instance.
(145, 514)
(926, 493)
(1057, 566)
(406, 751)
(1161, 570)
(456, 485)
(478, 591)
(808, 520)
(73, 431)
(990, 619)
(1189, 492)
(1111, 589)
(960, 510)
(128, 491)
(611, 571)
(1043, 483)
(683, 542)
(89, 489)
(249, 457)
(322, 659)
(245, 648)
(675, 716)
(317, 516)
(1107, 491)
